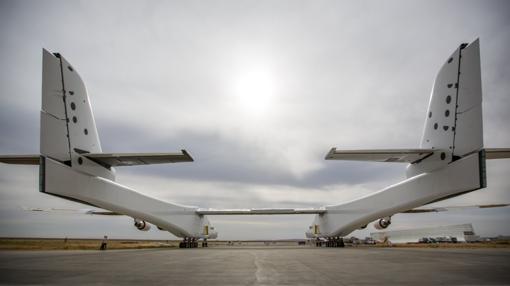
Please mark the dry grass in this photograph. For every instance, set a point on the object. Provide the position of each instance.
(490, 244)
(94, 244)
(80, 244)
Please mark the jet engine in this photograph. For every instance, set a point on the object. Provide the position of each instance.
(142, 225)
(383, 223)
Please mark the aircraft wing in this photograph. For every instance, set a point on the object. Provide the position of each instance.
(20, 159)
(264, 211)
(443, 209)
(133, 159)
(497, 153)
(382, 155)
(75, 211)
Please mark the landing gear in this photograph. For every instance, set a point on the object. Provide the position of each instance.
(188, 242)
(338, 242)
(341, 242)
(331, 242)
(183, 243)
(191, 242)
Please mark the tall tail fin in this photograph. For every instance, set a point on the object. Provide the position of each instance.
(454, 117)
(68, 128)
(453, 126)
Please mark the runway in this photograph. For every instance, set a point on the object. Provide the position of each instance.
(258, 266)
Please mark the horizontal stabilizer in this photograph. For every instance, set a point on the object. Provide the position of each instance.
(258, 211)
(382, 155)
(443, 209)
(497, 153)
(20, 159)
(133, 159)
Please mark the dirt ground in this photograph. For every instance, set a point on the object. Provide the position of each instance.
(80, 244)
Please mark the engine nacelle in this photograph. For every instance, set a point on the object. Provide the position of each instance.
(383, 223)
(142, 225)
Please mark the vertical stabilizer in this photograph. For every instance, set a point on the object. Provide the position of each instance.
(68, 129)
(454, 117)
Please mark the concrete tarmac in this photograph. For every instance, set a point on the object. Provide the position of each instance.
(258, 266)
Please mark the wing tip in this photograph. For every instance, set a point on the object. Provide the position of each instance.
(187, 155)
(330, 155)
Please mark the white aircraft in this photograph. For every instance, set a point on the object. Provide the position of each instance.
(449, 162)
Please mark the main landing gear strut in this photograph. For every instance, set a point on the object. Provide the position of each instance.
(188, 242)
(191, 242)
(331, 242)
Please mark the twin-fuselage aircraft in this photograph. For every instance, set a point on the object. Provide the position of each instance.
(449, 162)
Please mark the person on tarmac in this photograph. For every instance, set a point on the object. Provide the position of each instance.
(104, 243)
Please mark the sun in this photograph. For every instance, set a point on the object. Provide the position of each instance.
(255, 90)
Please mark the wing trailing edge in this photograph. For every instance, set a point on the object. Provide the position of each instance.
(265, 211)
(73, 211)
(381, 155)
(134, 159)
(451, 208)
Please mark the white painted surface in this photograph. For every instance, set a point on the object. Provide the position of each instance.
(181, 221)
(53, 140)
(459, 176)
(52, 99)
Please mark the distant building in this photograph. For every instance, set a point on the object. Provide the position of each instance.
(462, 232)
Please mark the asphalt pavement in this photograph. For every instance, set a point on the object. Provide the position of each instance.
(258, 266)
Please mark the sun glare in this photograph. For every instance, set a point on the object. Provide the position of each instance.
(255, 90)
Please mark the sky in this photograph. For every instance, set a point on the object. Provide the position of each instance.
(257, 92)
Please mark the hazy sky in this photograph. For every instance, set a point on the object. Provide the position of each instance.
(257, 92)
